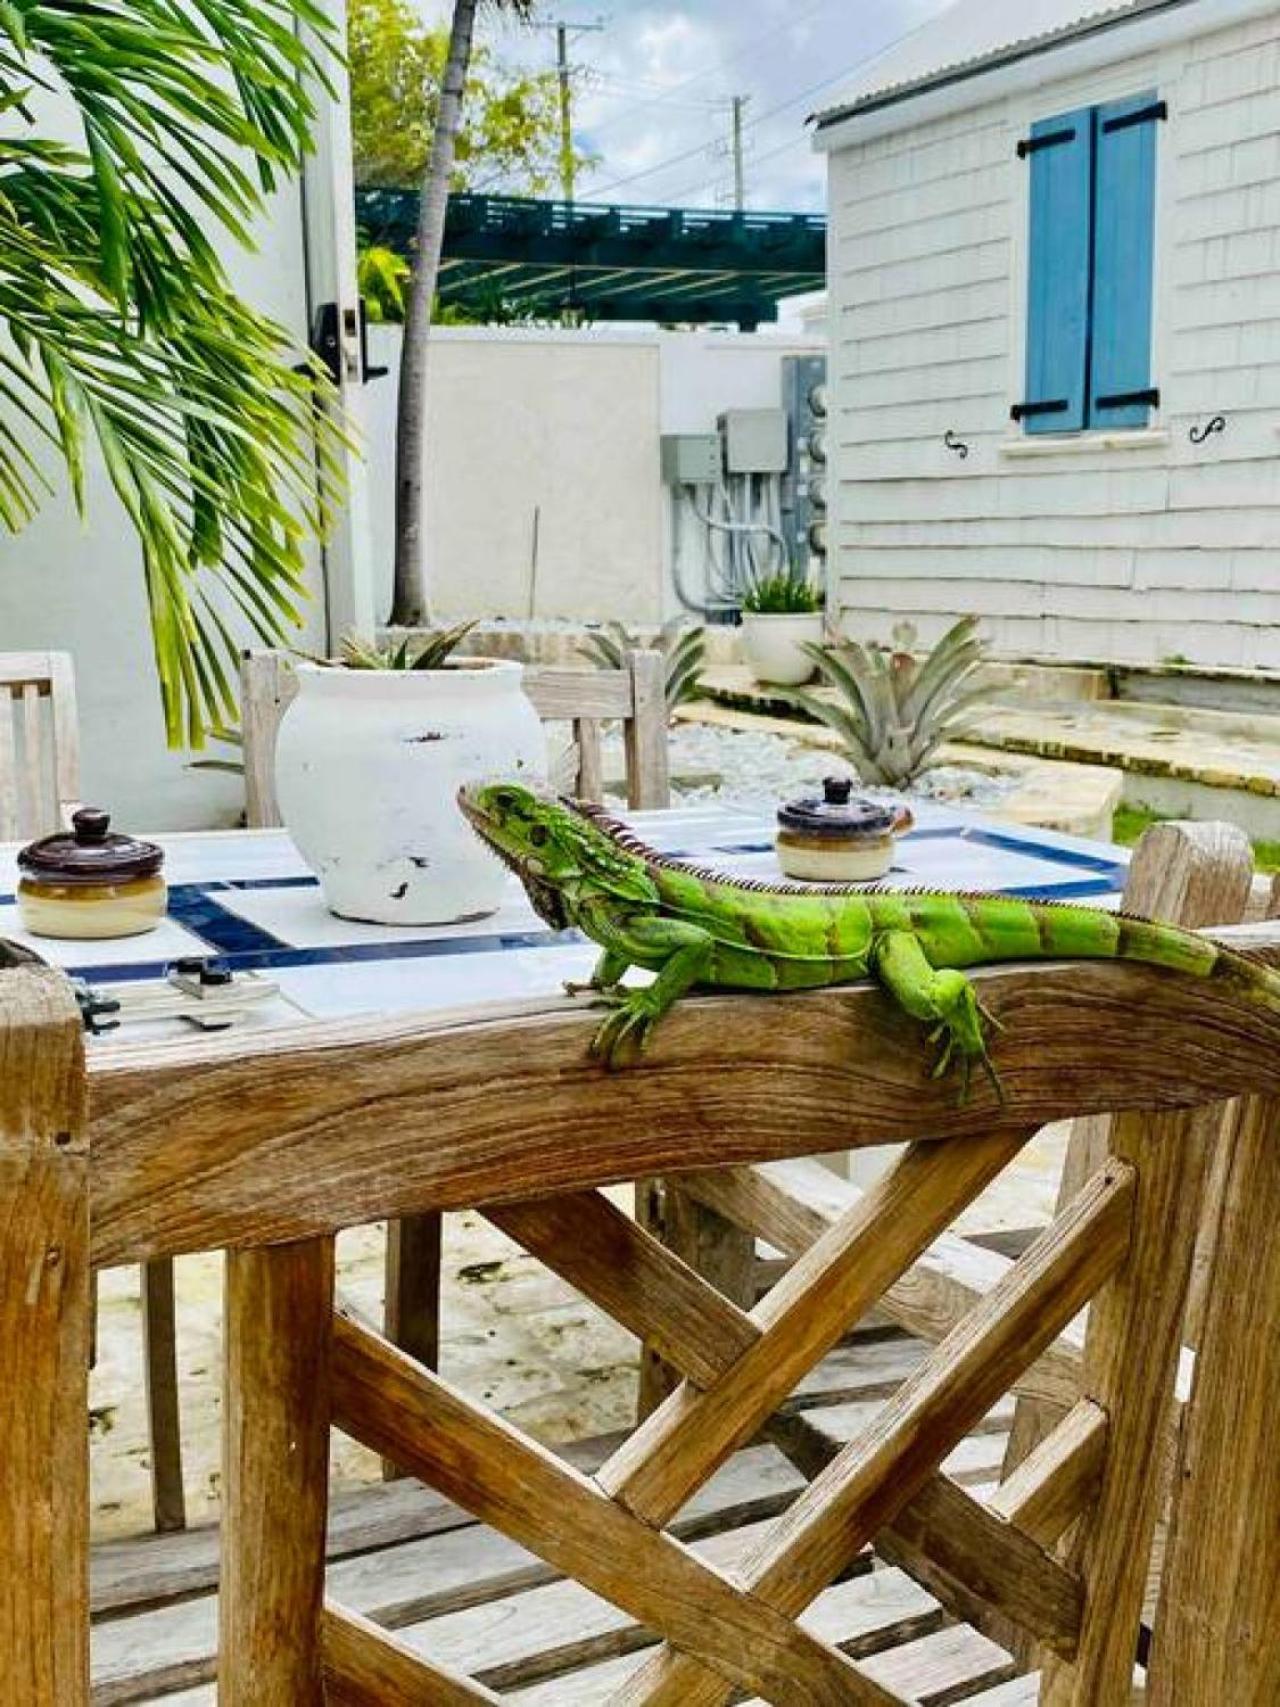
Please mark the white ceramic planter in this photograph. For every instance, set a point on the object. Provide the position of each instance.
(773, 646)
(368, 766)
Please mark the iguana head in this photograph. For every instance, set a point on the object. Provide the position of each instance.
(556, 850)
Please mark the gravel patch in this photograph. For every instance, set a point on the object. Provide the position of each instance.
(753, 769)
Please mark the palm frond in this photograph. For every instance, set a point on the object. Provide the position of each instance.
(121, 323)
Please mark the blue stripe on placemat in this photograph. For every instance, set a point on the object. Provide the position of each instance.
(345, 954)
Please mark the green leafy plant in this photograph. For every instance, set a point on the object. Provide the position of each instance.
(683, 648)
(510, 130)
(357, 653)
(891, 709)
(783, 594)
(381, 275)
(122, 324)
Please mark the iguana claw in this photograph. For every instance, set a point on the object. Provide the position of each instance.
(626, 1031)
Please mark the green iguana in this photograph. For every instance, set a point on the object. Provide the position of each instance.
(695, 927)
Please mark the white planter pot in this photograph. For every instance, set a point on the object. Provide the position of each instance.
(368, 766)
(773, 646)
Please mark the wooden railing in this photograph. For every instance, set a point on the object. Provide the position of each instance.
(268, 1144)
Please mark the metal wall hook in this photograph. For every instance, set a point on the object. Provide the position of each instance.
(957, 445)
(1198, 435)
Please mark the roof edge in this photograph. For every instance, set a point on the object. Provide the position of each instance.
(966, 70)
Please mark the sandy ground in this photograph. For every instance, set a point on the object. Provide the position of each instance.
(514, 1336)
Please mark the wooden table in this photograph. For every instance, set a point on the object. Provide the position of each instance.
(268, 1145)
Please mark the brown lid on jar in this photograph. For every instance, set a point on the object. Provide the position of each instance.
(839, 815)
(90, 853)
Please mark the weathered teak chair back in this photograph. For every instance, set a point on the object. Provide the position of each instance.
(267, 1144)
(585, 698)
(39, 743)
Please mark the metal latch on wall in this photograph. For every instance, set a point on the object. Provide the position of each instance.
(341, 341)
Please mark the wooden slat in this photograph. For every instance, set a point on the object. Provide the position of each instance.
(66, 731)
(828, 1288)
(411, 1416)
(44, 1345)
(268, 684)
(984, 1569)
(292, 1132)
(275, 1474)
(411, 1316)
(1131, 1357)
(602, 1252)
(561, 695)
(645, 733)
(38, 813)
(874, 1477)
(722, 1254)
(366, 1667)
(791, 1204)
(1052, 1485)
(1216, 1626)
(589, 784)
(10, 817)
(1193, 875)
(164, 1422)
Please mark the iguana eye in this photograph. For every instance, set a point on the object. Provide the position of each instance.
(538, 835)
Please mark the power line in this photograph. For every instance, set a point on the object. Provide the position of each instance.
(748, 47)
(762, 118)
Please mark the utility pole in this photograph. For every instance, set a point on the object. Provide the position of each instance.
(739, 175)
(566, 30)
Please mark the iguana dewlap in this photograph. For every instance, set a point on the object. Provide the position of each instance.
(698, 928)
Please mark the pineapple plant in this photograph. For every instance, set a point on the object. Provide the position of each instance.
(892, 709)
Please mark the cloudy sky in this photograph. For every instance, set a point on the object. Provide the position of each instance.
(652, 88)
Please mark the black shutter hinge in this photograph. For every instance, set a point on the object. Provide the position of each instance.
(1129, 399)
(1050, 406)
(1050, 139)
(1142, 115)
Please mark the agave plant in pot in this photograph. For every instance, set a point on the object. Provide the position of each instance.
(369, 760)
(781, 623)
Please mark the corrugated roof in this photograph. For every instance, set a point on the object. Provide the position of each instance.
(973, 36)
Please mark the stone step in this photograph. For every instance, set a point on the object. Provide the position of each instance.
(1079, 800)
(1178, 760)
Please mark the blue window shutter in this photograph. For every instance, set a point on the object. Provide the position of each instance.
(1058, 260)
(1124, 232)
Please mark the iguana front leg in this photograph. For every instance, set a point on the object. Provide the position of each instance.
(680, 953)
(607, 974)
(943, 998)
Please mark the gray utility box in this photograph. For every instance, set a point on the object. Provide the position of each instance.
(690, 459)
(755, 441)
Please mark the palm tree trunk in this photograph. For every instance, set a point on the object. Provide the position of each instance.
(411, 605)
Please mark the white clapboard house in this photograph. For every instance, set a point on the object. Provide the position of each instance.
(1054, 319)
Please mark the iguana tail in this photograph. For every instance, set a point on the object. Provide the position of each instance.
(1199, 956)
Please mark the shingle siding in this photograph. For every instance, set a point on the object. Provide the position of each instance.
(1133, 553)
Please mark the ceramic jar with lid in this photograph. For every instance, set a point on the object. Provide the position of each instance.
(842, 838)
(91, 882)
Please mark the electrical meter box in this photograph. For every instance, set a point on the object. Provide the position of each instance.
(690, 459)
(755, 441)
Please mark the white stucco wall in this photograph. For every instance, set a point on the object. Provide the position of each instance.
(567, 425)
(1080, 551)
(79, 588)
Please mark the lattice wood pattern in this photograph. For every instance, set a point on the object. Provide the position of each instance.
(1059, 1553)
(722, 1632)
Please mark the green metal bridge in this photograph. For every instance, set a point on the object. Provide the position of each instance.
(510, 253)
